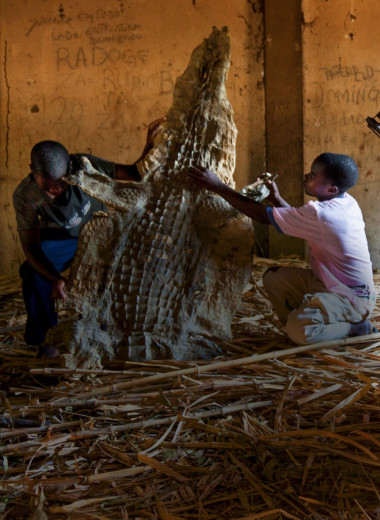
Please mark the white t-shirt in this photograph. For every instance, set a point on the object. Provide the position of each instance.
(335, 232)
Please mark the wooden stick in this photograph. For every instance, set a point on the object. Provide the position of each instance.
(225, 410)
(84, 371)
(119, 473)
(26, 431)
(199, 369)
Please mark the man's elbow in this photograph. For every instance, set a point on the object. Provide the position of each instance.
(260, 215)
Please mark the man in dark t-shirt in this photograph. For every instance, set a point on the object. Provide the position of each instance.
(50, 214)
(61, 217)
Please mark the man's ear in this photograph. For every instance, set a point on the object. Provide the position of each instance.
(334, 190)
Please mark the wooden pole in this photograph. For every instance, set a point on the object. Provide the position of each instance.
(220, 365)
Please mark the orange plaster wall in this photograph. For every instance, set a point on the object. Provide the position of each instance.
(93, 74)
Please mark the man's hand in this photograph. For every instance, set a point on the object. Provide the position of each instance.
(57, 292)
(153, 128)
(274, 193)
(205, 178)
(275, 197)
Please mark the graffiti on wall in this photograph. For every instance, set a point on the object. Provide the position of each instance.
(100, 64)
(338, 104)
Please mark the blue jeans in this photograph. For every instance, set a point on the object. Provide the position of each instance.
(36, 290)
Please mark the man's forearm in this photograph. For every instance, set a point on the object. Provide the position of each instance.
(207, 179)
(41, 263)
(249, 207)
(45, 268)
(279, 202)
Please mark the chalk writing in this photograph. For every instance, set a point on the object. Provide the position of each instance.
(331, 140)
(166, 82)
(108, 121)
(100, 33)
(102, 14)
(98, 56)
(327, 117)
(69, 80)
(350, 95)
(97, 16)
(68, 113)
(163, 80)
(162, 83)
(105, 27)
(53, 20)
(358, 145)
(104, 32)
(110, 80)
(364, 73)
(115, 38)
(58, 35)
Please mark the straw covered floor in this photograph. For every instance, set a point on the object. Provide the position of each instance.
(268, 431)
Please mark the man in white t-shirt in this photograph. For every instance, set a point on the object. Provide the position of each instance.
(335, 298)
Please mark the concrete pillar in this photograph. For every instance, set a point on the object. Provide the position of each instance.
(284, 110)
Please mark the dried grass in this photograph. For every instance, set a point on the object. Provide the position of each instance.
(262, 433)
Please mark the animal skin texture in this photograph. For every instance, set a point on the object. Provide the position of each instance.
(161, 276)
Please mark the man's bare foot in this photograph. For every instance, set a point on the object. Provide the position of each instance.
(361, 329)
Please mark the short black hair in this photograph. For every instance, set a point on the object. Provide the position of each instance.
(340, 169)
(50, 159)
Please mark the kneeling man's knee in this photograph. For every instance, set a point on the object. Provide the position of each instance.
(301, 331)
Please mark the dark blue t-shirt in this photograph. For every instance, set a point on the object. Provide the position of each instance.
(63, 217)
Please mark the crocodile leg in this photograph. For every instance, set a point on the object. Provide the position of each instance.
(115, 194)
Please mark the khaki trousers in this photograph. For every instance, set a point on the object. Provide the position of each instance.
(308, 311)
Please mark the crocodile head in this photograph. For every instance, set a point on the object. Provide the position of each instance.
(199, 127)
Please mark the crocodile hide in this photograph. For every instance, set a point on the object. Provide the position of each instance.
(162, 274)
